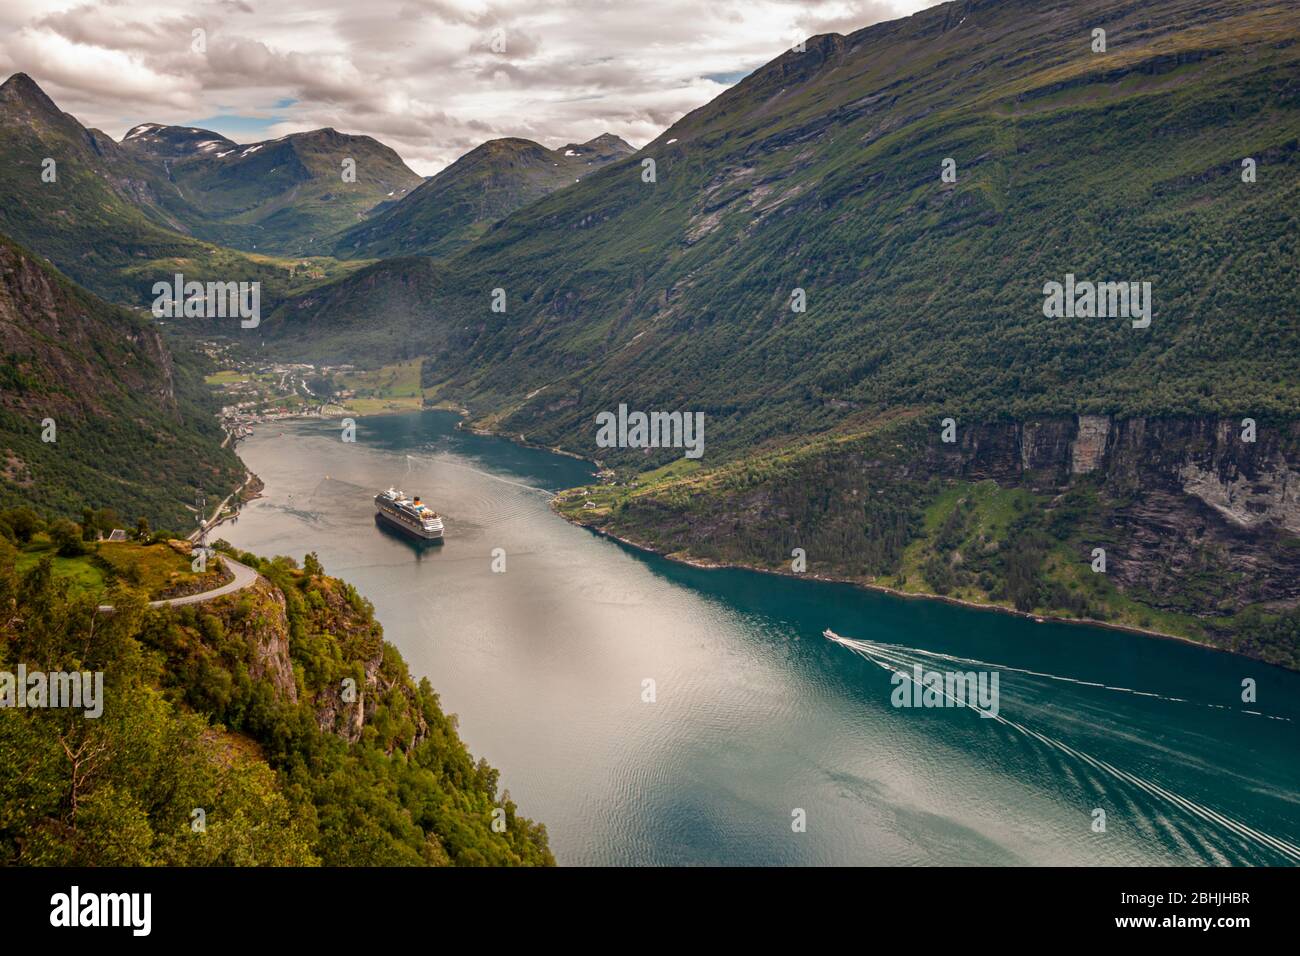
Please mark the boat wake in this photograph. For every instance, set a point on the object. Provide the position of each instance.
(901, 660)
(859, 646)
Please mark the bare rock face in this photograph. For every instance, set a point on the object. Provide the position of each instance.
(344, 708)
(347, 717)
(258, 619)
(271, 653)
(341, 709)
(1044, 444)
(1271, 496)
(1089, 444)
(1194, 495)
(258, 616)
(1250, 483)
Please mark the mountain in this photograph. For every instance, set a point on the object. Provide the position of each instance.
(283, 197)
(99, 213)
(164, 144)
(109, 218)
(459, 204)
(357, 330)
(822, 171)
(1169, 158)
(133, 425)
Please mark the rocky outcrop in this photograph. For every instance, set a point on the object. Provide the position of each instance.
(257, 622)
(341, 710)
(257, 617)
(345, 704)
(1089, 445)
(1252, 479)
(1188, 495)
(344, 709)
(270, 651)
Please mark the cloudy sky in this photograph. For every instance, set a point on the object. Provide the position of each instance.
(428, 77)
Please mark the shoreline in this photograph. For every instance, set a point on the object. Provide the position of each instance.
(517, 440)
(346, 413)
(706, 565)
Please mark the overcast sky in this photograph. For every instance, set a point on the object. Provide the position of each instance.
(420, 75)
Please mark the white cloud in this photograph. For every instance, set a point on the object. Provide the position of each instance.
(420, 75)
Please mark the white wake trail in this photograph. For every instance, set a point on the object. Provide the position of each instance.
(935, 655)
(895, 659)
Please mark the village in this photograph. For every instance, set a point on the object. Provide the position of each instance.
(256, 392)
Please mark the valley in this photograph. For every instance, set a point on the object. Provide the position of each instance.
(992, 330)
(253, 393)
(750, 711)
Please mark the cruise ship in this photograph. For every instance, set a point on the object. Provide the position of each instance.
(409, 515)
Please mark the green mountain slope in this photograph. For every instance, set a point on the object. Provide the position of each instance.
(107, 220)
(399, 286)
(463, 201)
(282, 197)
(236, 706)
(133, 426)
(821, 171)
(1199, 531)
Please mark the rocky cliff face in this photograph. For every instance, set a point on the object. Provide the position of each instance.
(1189, 494)
(1249, 474)
(1197, 518)
(258, 619)
(264, 627)
(337, 714)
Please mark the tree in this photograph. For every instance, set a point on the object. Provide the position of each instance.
(311, 564)
(20, 524)
(106, 520)
(142, 528)
(67, 537)
(122, 789)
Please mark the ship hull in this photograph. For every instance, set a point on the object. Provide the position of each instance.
(419, 534)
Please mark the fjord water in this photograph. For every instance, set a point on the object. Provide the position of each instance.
(756, 715)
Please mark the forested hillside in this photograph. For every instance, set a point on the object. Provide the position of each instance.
(96, 410)
(822, 172)
(271, 727)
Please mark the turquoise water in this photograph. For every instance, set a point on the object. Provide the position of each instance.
(757, 716)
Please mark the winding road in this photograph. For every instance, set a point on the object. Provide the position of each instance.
(244, 577)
